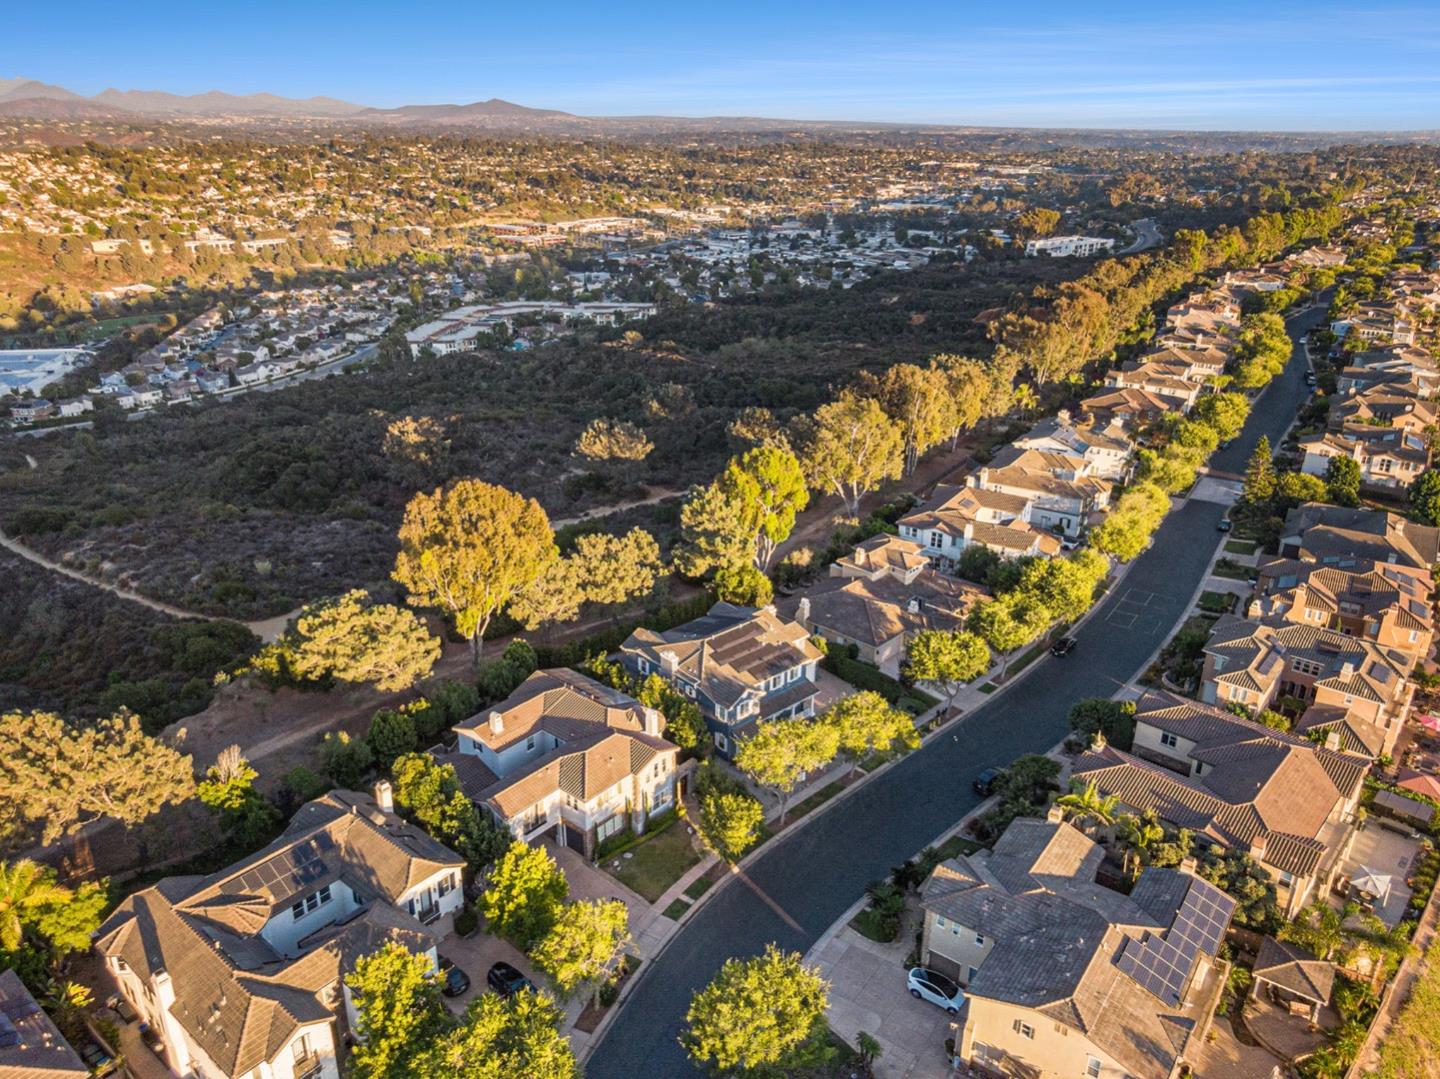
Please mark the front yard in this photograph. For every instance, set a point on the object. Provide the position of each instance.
(656, 862)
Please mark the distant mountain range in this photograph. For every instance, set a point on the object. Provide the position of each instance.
(22, 98)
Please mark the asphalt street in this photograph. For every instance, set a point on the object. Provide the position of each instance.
(815, 872)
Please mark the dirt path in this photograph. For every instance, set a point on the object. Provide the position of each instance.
(652, 495)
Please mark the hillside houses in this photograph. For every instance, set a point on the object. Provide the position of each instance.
(1060, 971)
(567, 757)
(1286, 801)
(242, 973)
(881, 594)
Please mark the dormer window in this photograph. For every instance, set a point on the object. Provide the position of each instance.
(529, 743)
(310, 903)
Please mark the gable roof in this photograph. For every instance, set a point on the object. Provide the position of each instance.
(560, 702)
(1295, 970)
(31, 1046)
(730, 651)
(1059, 939)
(239, 998)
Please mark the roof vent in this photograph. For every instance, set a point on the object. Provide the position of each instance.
(497, 722)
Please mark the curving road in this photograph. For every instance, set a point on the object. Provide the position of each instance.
(816, 871)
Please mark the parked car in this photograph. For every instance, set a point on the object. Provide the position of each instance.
(1063, 647)
(457, 982)
(931, 985)
(1225, 525)
(986, 782)
(506, 980)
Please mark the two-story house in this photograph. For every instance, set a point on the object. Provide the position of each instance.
(1338, 536)
(741, 665)
(1065, 977)
(1390, 457)
(242, 973)
(1286, 801)
(566, 756)
(879, 595)
(956, 518)
(1107, 450)
(1376, 601)
(1064, 494)
(1253, 664)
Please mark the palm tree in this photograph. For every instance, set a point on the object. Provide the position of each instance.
(26, 889)
(1319, 929)
(1085, 804)
(1386, 945)
(1025, 398)
(1138, 837)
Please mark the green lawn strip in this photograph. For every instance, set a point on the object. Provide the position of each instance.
(676, 909)
(1217, 602)
(655, 863)
(814, 801)
(989, 687)
(699, 886)
(1239, 546)
(1232, 570)
(957, 845)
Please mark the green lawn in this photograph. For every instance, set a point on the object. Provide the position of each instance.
(819, 798)
(957, 844)
(676, 908)
(1228, 567)
(1217, 602)
(656, 863)
(699, 886)
(1240, 546)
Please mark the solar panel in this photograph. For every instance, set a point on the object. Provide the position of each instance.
(9, 1036)
(1162, 964)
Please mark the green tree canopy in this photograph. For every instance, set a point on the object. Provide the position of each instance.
(1425, 497)
(59, 777)
(523, 898)
(949, 659)
(501, 1039)
(583, 945)
(761, 1015)
(867, 723)
(769, 487)
(1260, 474)
(470, 549)
(398, 1010)
(1342, 481)
(854, 446)
(33, 902)
(353, 640)
(781, 752)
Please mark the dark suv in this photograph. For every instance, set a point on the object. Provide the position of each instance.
(986, 782)
(506, 980)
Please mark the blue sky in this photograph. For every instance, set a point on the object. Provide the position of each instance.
(1318, 66)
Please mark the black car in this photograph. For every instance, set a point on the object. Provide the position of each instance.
(986, 781)
(507, 981)
(457, 982)
(1063, 647)
(1225, 525)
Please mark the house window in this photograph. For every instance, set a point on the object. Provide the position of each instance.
(1168, 739)
(446, 885)
(721, 742)
(940, 920)
(606, 828)
(970, 977)
(301, 1047)
(979, 940)
(1092, 1067)
(643, 665)
(776, 682)
(1024, 1029)
(794, 674)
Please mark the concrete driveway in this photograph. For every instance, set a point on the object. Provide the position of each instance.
(867, 992)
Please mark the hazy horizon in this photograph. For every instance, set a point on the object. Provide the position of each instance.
(1322, 67)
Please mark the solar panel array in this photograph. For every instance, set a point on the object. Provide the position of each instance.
(743, 649)
(289, 872)
(1161, 964)
(12, 1010)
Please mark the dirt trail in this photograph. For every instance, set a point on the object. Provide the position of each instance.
(652, 495)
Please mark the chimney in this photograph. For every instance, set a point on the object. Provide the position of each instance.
(385, 796)
(1189, 865)
(1332, 741)
(1347, 670)
(914, 604)
(668, 662)
(1063, 417)
(654, 722)
(802, 612)
(1257, 847)
(1055, 814)
(497, 722)
(860, 555)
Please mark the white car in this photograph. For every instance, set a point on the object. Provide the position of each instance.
(931, 985)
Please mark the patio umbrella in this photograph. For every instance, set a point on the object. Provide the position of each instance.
(1368, 882)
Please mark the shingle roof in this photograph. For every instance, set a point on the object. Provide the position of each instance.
(1295, 970)
(238, 997)
(40, 1051)
(730, 651)
(558, 701)
(1057, 937)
